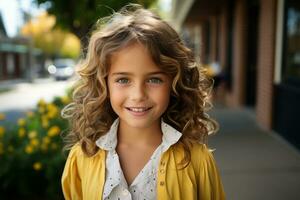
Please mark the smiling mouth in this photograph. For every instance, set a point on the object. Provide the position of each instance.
(138, 109)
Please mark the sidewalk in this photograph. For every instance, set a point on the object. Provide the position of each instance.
(7, 85)
(23, 96)
(254, 164)
(12, 84)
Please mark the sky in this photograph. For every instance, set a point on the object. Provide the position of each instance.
(12, 15)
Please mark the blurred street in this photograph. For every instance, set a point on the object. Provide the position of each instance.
(254, 164)
(24, 96)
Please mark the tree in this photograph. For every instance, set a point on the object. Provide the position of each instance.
(53, 41)
(79, 16)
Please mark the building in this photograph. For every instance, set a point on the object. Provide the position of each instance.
(257, 45)
(17, 57)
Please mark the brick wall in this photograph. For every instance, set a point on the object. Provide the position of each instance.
(266, 50)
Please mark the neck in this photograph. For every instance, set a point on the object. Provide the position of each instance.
(132, 136)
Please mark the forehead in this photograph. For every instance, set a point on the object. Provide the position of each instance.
(134, 58)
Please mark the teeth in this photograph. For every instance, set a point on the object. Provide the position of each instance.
(138, 109)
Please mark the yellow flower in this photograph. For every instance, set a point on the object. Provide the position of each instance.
(37, 166)
(2, 131)
(29, 114)
(32, 134)
(53, 131)
(21, 132)
(51, 106)
(21, 122)
(2, 116)
(45, 122)
(52, 110)
(10, 148)
(34, 142)
(29, 149)
(46, 140)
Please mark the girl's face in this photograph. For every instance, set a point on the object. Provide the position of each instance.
(139, 90)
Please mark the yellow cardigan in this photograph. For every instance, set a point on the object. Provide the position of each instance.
(84, 177)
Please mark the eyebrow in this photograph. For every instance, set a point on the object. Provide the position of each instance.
(128, 73)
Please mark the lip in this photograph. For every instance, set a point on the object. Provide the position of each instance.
(138, 114)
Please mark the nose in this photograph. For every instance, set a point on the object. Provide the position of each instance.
(138, 92)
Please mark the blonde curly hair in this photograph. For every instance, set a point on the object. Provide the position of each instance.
(91, 114)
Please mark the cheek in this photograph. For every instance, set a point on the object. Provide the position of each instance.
(162, 96)
(115, 96)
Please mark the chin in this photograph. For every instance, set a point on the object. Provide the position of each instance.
(139, 123)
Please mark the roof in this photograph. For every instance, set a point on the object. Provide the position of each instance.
(2, 28)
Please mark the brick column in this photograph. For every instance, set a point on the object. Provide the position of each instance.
(266, 52)
(239, 54)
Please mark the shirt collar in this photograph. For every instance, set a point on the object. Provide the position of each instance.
(109, 141)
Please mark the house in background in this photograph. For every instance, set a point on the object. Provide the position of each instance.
(257, 45)
(17, 57)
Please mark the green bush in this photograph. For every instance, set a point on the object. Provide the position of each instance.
(31, 157)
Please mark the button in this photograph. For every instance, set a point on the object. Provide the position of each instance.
(163, 163)
(162, 171)
(125, 192)
(162, 183)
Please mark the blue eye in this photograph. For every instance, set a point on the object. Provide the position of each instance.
(122, 81)
(155, 80)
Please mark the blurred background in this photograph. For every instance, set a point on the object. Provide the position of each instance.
(250, 47)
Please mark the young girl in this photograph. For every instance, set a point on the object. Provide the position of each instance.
(139, 122)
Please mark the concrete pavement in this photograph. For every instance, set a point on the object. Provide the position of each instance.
(23, 96)
(254, 164)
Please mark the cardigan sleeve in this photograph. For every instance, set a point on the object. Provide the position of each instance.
(71, 181)
(210, 186)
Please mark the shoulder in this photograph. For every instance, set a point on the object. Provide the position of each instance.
(76, 154)
(199, 149)
(79, 161)
(75, 151)
(202, 156)
(199, 153)
(75, 157)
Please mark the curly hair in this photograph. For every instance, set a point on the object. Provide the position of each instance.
(91, 114)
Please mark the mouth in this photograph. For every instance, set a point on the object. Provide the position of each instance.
(138, 109)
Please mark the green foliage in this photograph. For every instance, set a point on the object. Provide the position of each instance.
(31, 157)
(79, 16)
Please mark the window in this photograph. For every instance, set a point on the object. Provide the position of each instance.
(291, 48)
